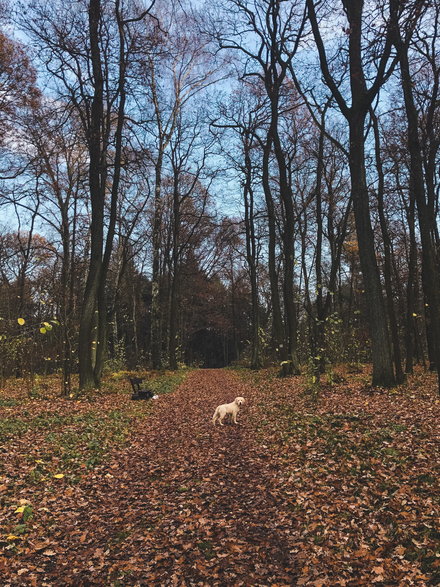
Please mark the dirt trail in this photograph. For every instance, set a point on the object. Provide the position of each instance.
(188, 504)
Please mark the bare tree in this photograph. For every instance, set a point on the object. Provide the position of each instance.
(190, 194)
(244, 116)
(268, 34)
(403, 34)
(88, 56)
(362, 96)
(180, 67)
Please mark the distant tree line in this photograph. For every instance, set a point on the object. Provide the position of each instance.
(247, 180)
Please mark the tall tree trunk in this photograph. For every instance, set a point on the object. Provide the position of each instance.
(155, 335)
(277, 321)
(430, 266)
(288, 246)
(65, 313)
(383, 374)
(387, 255)
(104, 312)
(174, 279)
(87, 339)
(251, 256)
(134, 294)
(410, 333)
(173, 323)
(319, 319)
(355, 114)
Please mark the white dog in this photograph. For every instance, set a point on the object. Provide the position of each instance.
(224, 409)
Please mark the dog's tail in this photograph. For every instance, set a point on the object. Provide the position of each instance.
(214, 417)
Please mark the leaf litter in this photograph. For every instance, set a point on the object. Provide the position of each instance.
(339, 489)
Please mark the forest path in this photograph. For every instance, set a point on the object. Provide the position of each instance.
(189, 503)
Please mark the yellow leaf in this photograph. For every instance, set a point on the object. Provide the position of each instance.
(58, 476)
(12, 537)
(21, 321)
(43, 330)
(20, 510)
(40, 462)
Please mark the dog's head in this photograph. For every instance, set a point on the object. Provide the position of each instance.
(239, 400)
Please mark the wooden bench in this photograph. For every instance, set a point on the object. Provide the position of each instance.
(140, 391)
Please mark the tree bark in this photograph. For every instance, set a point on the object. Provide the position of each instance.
(102, 299)
(251, 256)
(174, 281)
(277, 319)
(361, 99)
(383, 374)
(430, 267)
(410, 327)
(87, 332)
(387, 255)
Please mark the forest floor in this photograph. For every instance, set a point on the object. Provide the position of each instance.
(329, 486)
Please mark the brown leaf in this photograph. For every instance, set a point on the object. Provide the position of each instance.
(378, 570)
(49, 553)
